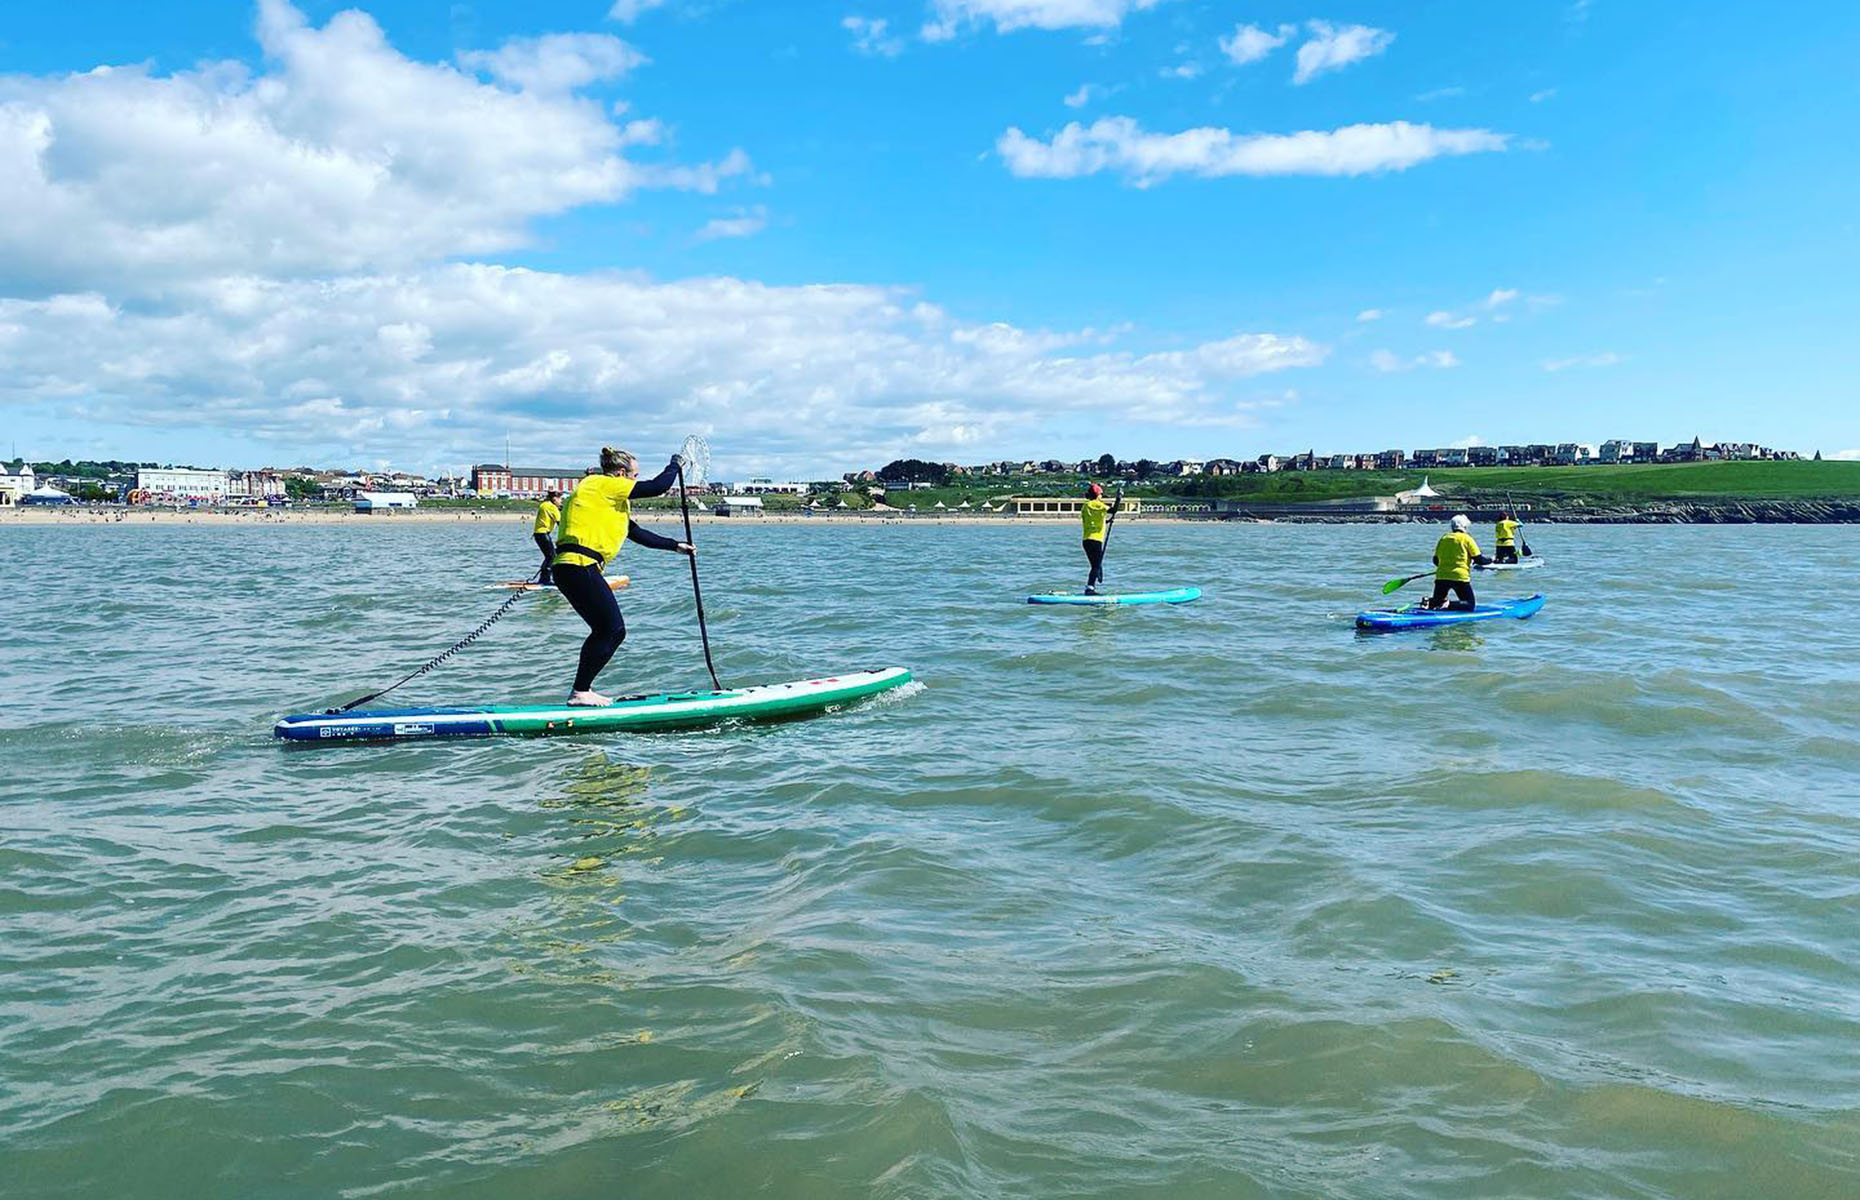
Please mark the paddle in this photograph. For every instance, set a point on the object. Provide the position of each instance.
(697, 454)
(1524, 544)
(1396, 585)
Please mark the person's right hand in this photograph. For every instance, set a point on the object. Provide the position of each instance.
(687, 548)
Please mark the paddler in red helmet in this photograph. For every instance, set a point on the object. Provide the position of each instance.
(1093, 516)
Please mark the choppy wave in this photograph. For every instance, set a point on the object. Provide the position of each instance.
(1216, 900)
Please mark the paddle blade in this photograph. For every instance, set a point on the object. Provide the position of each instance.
(695, 455)
(1393, 586)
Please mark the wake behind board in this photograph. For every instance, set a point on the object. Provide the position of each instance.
(1524, 564)
(614, 582)
(672, 710)
(1416, 617)
(1173, 596)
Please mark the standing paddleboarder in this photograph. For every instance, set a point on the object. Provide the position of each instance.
(1505, 531)
(596, 520)
(1092, 515)
(548, 516)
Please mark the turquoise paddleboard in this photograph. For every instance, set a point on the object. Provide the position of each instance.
(1173, 596)
(1416, 617)
(672, 710)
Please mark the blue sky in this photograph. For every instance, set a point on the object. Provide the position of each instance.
(986, 228)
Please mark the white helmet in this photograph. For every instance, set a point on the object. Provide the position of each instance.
(1461, 523)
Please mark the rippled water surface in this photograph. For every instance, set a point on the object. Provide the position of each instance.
(1223, 900)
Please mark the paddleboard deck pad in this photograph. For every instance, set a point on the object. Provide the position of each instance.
(1173, 596)
(1523, 564)
(671, 710)
(614, 582)
(1416, 617)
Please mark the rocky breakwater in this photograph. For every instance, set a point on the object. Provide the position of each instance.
(1698, 512)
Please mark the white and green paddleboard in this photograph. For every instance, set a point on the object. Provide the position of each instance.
(672, 710)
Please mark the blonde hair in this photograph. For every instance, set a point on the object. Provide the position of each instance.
(622, 461)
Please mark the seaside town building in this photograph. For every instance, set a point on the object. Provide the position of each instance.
(16, 485)
(374, 502)
(1062, 506)
(491, 479)
(181, 483)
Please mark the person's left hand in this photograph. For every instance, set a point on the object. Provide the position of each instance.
(687, 548)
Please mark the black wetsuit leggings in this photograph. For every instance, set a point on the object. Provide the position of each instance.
(1094, 554)
(548, 552)
(1506, 554)
(1462, 593)
(586, 589)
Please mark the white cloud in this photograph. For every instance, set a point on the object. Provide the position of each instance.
(1493, 307)
(1332, 48)
(1844, 456)
(343, 155)
(629, 11)
(273, 256)
(1540, 97)
(1468, 442)
(1120, 144)
(1388, 362)
(1250, 43)
(1606, 358)
(1083, 96)
(746, 222)
(1441, 93)
(1369, 314)
(948, 17)
(1187, 70)
(437, 363)
(869, 36)
(555, 62)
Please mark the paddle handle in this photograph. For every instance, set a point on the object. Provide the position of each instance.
(697, 592)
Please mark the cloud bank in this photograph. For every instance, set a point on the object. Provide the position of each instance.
(1121, 145)
(295, 255)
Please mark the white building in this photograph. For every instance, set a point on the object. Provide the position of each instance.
(769, 487)
(739, 506)
(370, 502)
(181, 483)
(16, 486)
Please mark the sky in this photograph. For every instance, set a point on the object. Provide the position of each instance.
(823, 236)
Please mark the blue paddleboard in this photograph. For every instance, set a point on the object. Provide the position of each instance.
(1416, 617)
(1173, 596)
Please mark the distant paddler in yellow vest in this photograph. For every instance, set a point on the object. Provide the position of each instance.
(1454, 556)
(596, 520)
(1094, 516)
(548, 516)
(1505, 531)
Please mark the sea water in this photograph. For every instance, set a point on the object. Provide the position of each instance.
(1220, 900)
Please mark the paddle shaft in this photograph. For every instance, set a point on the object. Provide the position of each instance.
(697, 593)
(1523, 542)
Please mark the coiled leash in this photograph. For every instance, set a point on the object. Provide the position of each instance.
(457, 646)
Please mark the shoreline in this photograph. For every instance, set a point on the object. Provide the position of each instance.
(1689, 512)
